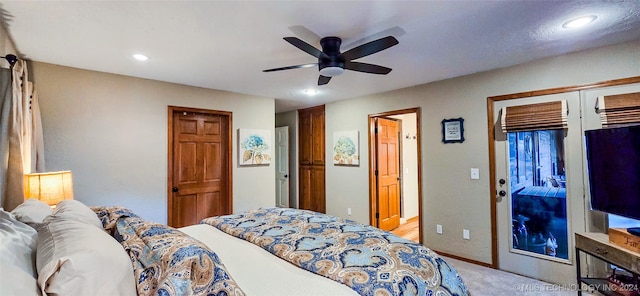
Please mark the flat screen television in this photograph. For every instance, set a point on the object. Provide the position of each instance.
(613, 160)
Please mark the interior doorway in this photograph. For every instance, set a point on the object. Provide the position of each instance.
(385, 202)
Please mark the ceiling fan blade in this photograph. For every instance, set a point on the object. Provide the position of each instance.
(370, 48)
(395, 32)
(312, 38)
(367, 68)
(306, 47)
(322, 80)
(291, 67)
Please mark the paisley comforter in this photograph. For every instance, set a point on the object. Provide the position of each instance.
(165, 260)
(367, 259)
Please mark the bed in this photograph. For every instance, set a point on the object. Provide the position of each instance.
(79, 250)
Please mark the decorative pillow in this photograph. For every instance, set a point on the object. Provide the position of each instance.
(77, 258)
(32, 212)
(75, 210)
(17, 244)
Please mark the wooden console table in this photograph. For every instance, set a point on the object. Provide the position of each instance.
(598, 245)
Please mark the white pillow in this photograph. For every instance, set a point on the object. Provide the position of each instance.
(76, 258)
(17, 244)
(74, 210)
(15, 281)
(32, 212)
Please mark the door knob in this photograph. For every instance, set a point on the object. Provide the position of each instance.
(174, 189)
(286, 176)
(502, 182)
(502, 193)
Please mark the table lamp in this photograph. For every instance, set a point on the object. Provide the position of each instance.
(50, 188)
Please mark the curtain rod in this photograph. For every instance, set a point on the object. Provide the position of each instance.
(12, 59)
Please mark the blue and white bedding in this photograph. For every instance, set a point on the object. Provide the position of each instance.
(338, 257)
(260, 273)
(367, 259)
(166, 261)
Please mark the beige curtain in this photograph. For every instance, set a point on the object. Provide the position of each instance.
(37, 138)
(21, 131)
(5, 114)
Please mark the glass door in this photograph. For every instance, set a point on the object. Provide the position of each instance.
(540, 198)
(538, 204)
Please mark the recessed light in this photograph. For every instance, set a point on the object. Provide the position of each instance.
(310, 92)
(140, 57)
(579, 22)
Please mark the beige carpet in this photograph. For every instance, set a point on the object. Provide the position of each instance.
(482, 281)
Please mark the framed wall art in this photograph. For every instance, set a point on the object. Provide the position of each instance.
(254, 147)
(453, 130)
(346, 148)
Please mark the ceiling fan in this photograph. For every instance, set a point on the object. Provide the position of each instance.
(331, 62)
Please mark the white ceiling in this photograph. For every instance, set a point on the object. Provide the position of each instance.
(225, 45)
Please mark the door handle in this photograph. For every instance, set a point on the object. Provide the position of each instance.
(174, 189)
(286, 176)
(500, 195)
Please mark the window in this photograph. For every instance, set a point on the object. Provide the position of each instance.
(538, 192)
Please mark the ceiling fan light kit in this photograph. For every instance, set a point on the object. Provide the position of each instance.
(331, 62)
(331, 71)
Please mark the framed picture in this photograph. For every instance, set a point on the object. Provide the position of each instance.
(453, 130)
(254, 147)
(346, 148)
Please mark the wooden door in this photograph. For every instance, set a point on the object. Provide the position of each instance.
(317, 137)
(304, 137)
(312, 188)
(388, 159)
(304, 201)
(199, 165)
(311, 159)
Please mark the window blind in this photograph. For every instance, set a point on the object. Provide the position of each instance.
(619, 109)
(542, 116)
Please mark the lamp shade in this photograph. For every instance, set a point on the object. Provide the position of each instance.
(50, 188)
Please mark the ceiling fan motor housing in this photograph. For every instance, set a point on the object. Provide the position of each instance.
(332, 62)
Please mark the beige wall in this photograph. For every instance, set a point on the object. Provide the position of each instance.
(450, 198)
(111, 131)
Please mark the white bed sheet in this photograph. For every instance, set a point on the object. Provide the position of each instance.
(259, 272)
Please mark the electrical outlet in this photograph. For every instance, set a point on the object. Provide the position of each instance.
(465, 234)
(349, 211)
(438, 229)
(475, 174)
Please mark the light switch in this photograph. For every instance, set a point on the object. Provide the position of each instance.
(465, 234)
(475, 174)
(438, 229)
